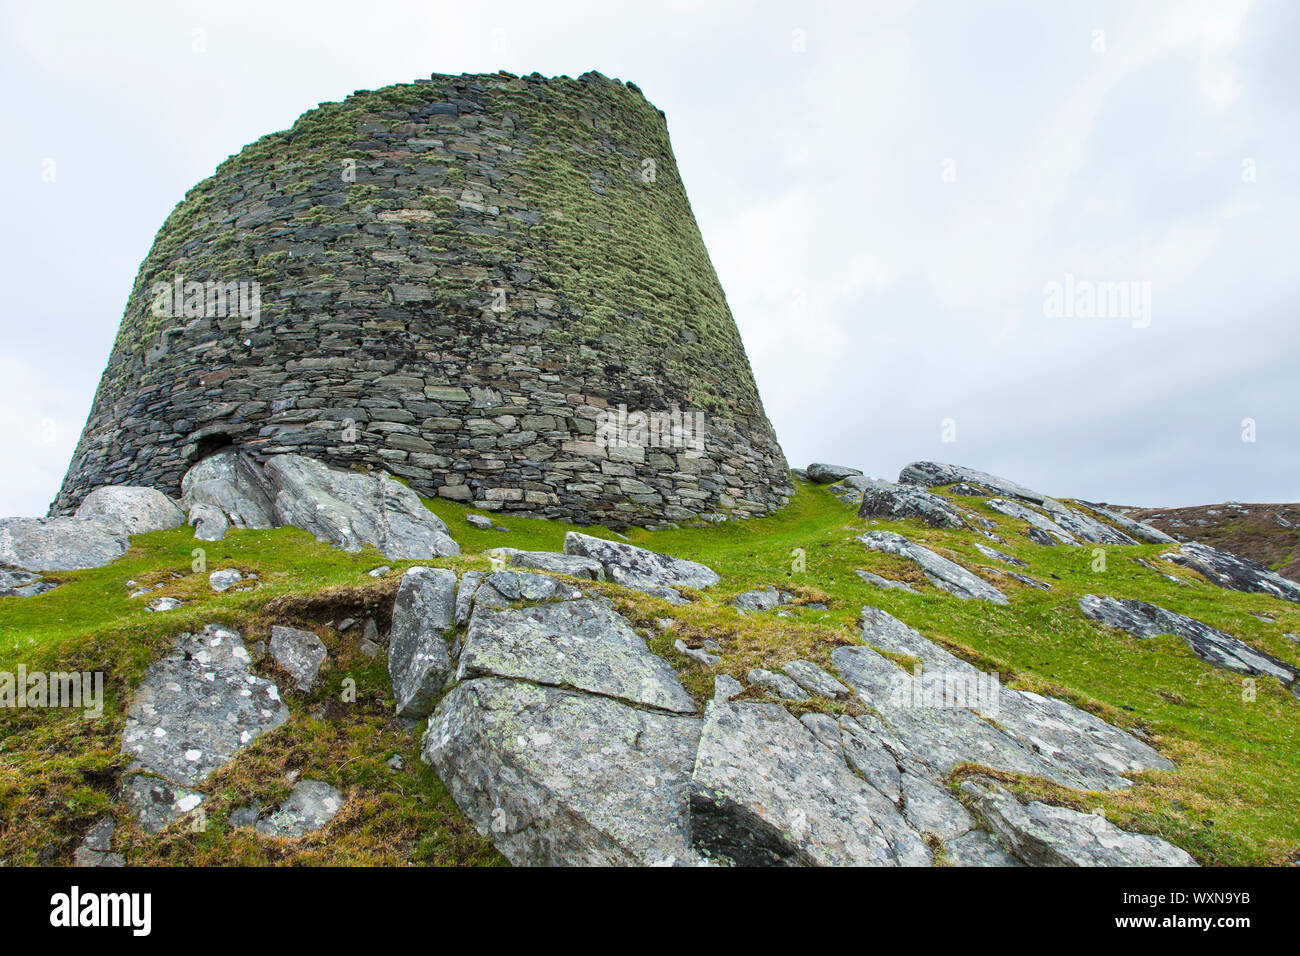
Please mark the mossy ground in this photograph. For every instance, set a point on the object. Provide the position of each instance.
(1230, 800)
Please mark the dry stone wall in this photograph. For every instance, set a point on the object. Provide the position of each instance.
(476, 283)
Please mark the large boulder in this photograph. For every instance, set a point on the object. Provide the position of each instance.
(61, 544)
(419, 658)
(140, 509)
(942, 573)
(1232, 571)
(765, 791)
(639, 568)
(825, 474)
(564, 778)
(1144, 620)
(582, 645)
(195, 709)
(932, 474)
(231, 482)
(884, 499)
(351, 509)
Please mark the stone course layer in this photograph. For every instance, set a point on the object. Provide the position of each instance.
(458, 279)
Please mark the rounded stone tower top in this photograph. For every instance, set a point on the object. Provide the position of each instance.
(492, 286)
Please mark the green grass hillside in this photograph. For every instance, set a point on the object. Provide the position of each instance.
(1230, 800)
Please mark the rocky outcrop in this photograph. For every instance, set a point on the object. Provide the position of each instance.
(192, 713)
(942, 573)
(1145, 620)
(61, 544)
(419, 657)
(351, 509)
(1231, 571)
(1037, 521)
(875, 580)
(638, 568)
(548, 562)
(1136, 529)
(883, 499)
(233, 484)
(140, 509)
(15, 583)
(932, 474)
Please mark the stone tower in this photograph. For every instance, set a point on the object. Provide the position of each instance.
(491, 286)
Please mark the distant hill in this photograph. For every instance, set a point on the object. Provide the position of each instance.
(1267, 533)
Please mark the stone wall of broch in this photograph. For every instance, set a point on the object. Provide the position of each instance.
(476, 283)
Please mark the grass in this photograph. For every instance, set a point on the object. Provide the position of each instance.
(1229, 801)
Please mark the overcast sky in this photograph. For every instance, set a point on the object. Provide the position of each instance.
(888, 191)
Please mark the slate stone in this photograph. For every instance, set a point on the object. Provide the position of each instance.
(760, 599)
(224, 580)
(816, 680)
(310, 806)
(994, 554)
(931, 474)
(978, 848)
(942, 573)
(209, 521)
(419, 658)
(300, 653)
(582, 645)
(503, 588)
(725, 687)
(556, 777)
(777, 684)
(1136, 529)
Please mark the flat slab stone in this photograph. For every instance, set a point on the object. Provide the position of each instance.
(61, 544)
(816, 680)
(311, 805)
(582, 645)
(192, 713)
(777, 684)
(639, 568)
(1144, 620)
(993, 554)
(942, 573)
(140, 509)
(764, 791)
(825, 474)
(563, 778)
(300, 653)
(419, 657)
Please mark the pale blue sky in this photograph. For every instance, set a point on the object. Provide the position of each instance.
(877, 296)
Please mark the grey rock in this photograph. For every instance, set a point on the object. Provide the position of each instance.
(978, 848)
(224, 580)
(244, 816)
(1137, 529)
(231, 482)
(870, 759)
(551, 563)
(1145, 620)
(994, 554)
(311, 805)
(638, 568)
(884, 499)
(931, 809)
(826, 729)
(725, 687)
(351, 509)
(300, 653)
(194, 710)
(1231, 571)
(15, 583)
(482, 522)
(1038, 536)
(562, 778)
(469, 582)
(942, 573)
(697, 654)
(163, 604)
(825, 474)
(380, 571)
(1040, 834)
(61, 544)
(1038, 521)
(419, 658)
(1086, 528)
(1026, 579)
(765, 792)
(760, 599)
(140, 509)
(503, 588)
(209, 521)
(931, 474)
(777, 684)
(573, 644)
(816, 680)
(877, 581)
(84, 857)
(100, 837)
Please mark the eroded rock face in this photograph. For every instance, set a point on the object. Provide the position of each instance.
(1209, 644)
(192, 713)
(234, 484)
(942, 573)
(884, 499)
(419, 658)
(1137, 529)
(1037, 521)
(61, 544)
(1044, 835)
(1232, 571)
(581, 645)
(638, 568)
(140, 509)
(559, 777)
(351, 509)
